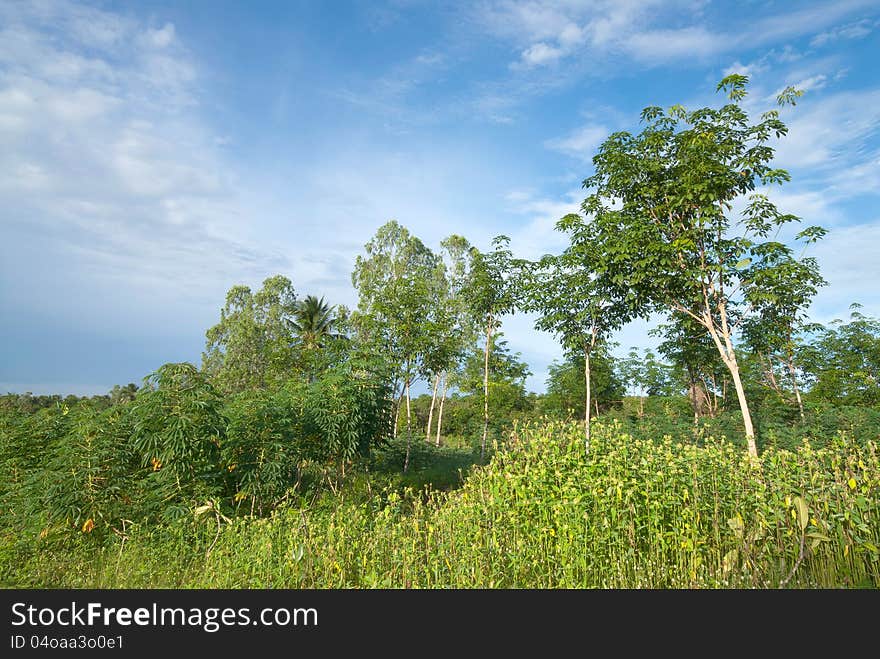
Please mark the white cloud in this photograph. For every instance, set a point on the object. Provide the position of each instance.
(548, 32)
(109, 180)
(541, 53)
(664, 45)
(855, 30)
(830, 131)
(582, 143)
(162, 37)
(848, 260)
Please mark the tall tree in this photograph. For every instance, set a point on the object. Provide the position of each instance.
(663, 215)
(492, 293)
(574, 301)
(395, 281)
(456, 329)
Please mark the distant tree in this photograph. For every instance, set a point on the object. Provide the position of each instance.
(314, 327)
(566, 383)
(645, 374)
(455, 328)
(790, 286)
(692, 353)
(841, 362)
(313, 322)
(123, 394)
(252, 345)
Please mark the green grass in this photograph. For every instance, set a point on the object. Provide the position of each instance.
(543, 514)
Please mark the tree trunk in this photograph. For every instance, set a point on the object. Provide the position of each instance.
(431, 411)
(408, 428)
(728, 356)
(743, 405)
(797, 392)
(440, 411)
(692, 394)
(486, 390)
(771, 378)
(587, 399)
(395, 405)
(587, 402)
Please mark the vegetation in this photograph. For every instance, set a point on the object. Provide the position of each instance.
(742, 454)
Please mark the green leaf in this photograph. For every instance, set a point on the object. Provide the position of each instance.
(803, 513)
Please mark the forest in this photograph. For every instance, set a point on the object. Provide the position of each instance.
(740, 453)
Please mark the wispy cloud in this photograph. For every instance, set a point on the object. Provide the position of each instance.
(855, 30)
(549, 32)
(113, 188)
(582, 143)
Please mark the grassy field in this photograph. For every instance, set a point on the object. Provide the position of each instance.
(543, 514)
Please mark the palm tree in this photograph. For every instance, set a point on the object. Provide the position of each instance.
(313, 322)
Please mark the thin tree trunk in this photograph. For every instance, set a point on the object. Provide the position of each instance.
(711, 403)
(440, 411)
(431, 411)
(587, 401)
(692, 394)
(408, 428)
(397, 412)
(797, 392)
(771, 377)
(743, 406)
(728, 355)
(486, 390)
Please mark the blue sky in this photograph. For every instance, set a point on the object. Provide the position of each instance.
(154, 154)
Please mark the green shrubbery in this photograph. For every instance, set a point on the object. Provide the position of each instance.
(88, 469)
(633, 513)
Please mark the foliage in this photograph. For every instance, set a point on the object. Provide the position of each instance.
(252, 345)
(661, 205)
(177, 430)
(841, 363)
(543, 514)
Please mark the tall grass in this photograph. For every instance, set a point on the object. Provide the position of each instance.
(543, 514)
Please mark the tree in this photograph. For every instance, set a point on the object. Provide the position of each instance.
(455, 330)
(252, 345)
(645, 374)
(841, 362)
(395, 283)
(314, 326)
(574, 301)
(313, 322)
(790, 287)
(492, 293)
(662, 206)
